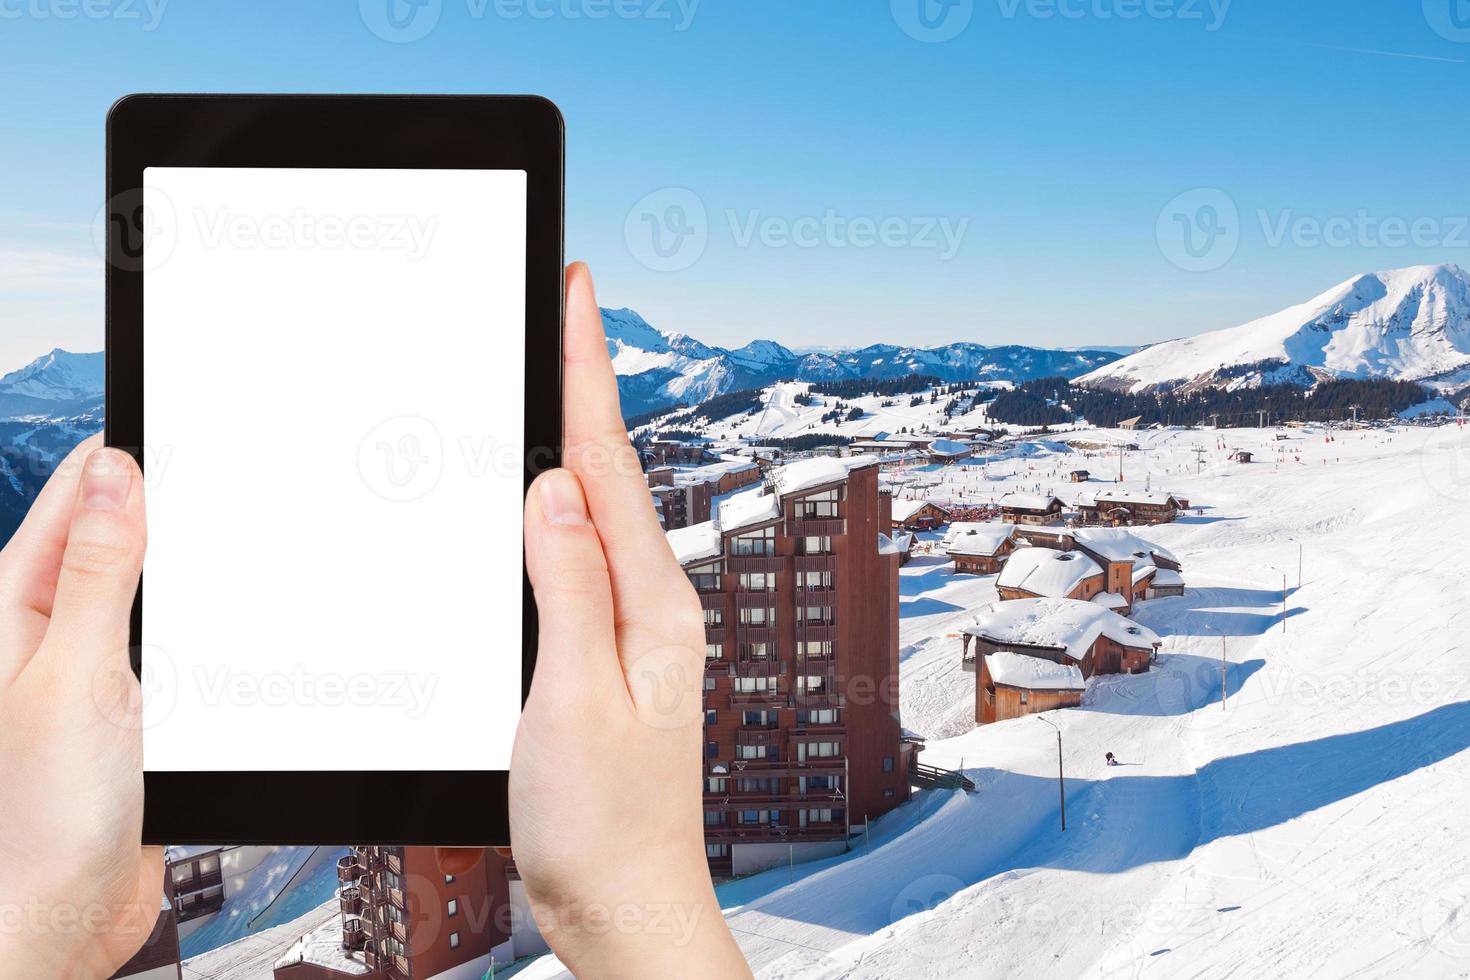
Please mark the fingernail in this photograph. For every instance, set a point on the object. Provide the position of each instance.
(106, 479)
(561, 499)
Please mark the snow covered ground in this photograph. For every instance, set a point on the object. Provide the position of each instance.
(1313, 825)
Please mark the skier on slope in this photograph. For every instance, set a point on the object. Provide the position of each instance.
(1111, 761)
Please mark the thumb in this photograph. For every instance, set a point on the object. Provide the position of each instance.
(102, 560)
(576, 650)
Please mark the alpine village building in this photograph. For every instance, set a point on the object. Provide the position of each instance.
(799, 584)
(1034, 655)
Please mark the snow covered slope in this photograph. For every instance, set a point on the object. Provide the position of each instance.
(656, 368)
(1406, 324)
(1312, 825)
(58, 383)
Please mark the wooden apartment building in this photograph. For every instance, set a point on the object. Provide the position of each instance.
(1118, 508)
(401, 918)
(802, 736)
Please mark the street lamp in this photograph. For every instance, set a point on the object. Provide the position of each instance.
(1283, 597)
(1222, 663)
(1061, 779)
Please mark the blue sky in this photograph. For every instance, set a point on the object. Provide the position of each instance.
(825, 172)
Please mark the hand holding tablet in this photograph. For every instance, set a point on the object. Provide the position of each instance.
(333, 347)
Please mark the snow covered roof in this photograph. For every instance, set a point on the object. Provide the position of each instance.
(1110, 600)
(814, 472)
(1033, 673)
(323, 947)
(1063, 624)
(696, 542)
(754, 506)
(1155, 497)
(1028, 501)
(1121, 544)
(904, 509)
(1167, 577)
(982, 539)
(1045, 572)
(902, 540)
(713, 471)
(948, 447)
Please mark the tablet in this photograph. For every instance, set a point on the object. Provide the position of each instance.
(333, 345)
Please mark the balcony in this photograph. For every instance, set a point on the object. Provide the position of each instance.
(716, 634)
(816, 595)
(349, 870)
(768, 698)
(712, 600)
(394, 862)
(350, 900)
(816, 563)
(758, 736)
(762, 599)
(754, 833)
(354, 936)
(743, 564)
(755, 634)
(198, 882)
(822, 698)
(815, 527)
(811, 632)
(758, 667)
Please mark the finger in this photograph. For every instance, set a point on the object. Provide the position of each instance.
(458, 860)
(643, 570)
(576, 658)
(101, 562)
(32, 560)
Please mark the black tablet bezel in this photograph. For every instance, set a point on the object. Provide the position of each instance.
(336, 131)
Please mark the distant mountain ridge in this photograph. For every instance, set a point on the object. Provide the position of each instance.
(657, 369)
(60, 383)
(1409, 324)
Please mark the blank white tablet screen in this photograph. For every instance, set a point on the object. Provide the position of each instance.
(333, 417)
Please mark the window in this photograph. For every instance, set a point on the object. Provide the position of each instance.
(760, 816)
(757, 616)
(757, 581)
(711, 716)
(888, 763)
(753, 685)
(749, 752)
(758, 718)
(714, 651)
(705, 581)
(811, 683)
(888, 792)
(763, 785)
(717, 850)
(810, 581)
(755, 651)
(815, 816)
(818, 505)
(452, 909)
(818, 784)
(449, 879)
(815, 615)
(714, 617)
(760, 543)
(712, 749)
(709, 683)
(816, 750)
(814, 649)
(714, 784)
(714, 818)
(1023, 697)
(816, 544)
(454, 940)
(817, 716)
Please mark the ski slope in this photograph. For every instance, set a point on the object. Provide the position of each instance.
(1310, 826)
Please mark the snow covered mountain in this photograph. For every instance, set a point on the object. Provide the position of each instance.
(1405, 324)
(56, 383)
(46, 408)
(656, 369)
